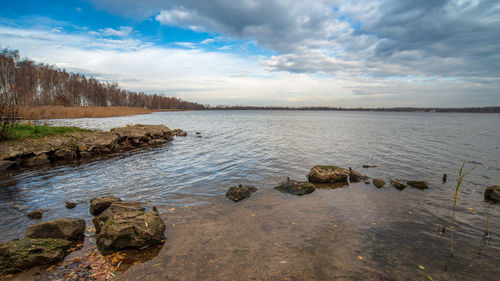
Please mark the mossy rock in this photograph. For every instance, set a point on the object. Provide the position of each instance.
(418, 184)
(328, 174)
(131, 230)
(492, 194)
(238, 193)
(18, 255)
(296, 188)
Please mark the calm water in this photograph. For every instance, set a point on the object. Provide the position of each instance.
(358, 232)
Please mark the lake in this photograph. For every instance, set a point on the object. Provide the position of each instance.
(355, 232)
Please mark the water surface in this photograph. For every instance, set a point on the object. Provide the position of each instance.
(358, 232)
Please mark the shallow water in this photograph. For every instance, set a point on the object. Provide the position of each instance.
(358, 232)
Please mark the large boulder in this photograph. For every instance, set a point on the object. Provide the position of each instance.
(99, 204)
(66, 228)
(131, 230)
(295, 187)
(238, 193)
(356, 176)
(492, 194)
(418, 184)
(397, 184)
(18, 255)
(114, 208)
(329, 174)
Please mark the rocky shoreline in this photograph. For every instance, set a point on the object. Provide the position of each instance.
(82, 145)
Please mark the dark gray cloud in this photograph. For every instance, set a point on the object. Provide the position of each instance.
(445, 38)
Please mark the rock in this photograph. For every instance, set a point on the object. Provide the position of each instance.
(370, 166)
(65, 153)
(367, 182)
(5, 164)
(115, 208)
(238, 193)
(355, 176)
(198, 133)
(66, 228)
(295, 187)
(378, 183)
(445, 176)
(37, 160)
(36, 214)
(418, 184)
(179, 132)
(492, 194)
(130, 230)
(397, 184)
(18, 255)
(140, 135)
(99, 204)
(330, 174)
(70, 205)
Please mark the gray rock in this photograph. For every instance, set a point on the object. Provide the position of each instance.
(18, 255)
(99, 204)
(36, 214)
(238, 193)
(378, 183)
(131, 230)
(115, 208)
(66, 228)
(492, 194)
(295, 187)
(328, 174)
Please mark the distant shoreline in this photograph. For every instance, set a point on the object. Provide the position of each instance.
(490, 109)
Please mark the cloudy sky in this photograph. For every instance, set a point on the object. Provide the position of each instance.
(355, 53)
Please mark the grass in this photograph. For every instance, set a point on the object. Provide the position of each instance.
(25, 131)
(69, 112)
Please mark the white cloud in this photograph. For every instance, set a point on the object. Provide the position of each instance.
(207, 41)
(189, 45)
(123, 31)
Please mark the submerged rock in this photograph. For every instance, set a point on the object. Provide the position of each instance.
(397, 184)
(18, 255)
(445, 176)
(115, 208)
(36, 214)
(418, 184)
(330, 174)
(238, 193)
(99, 204)
(131, 230)
(66, 228)
(378, 183)
(179, 132)
(70, 205)
(370, 166)
(295, 187)
(355, 176)
(492, 194)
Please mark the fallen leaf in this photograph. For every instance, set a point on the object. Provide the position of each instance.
(282, 262)
(253, 215)
(430, 278)
(157, 264)
(374, 223)
(470, 209)
(421, 267)
(410, 212)
(171, 209)
(360, 257)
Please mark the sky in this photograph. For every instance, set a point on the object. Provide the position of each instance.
(350, 53)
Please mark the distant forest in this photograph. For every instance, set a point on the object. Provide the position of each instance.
(42, 84)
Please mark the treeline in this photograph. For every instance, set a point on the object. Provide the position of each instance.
(489, 109)
(42, 85)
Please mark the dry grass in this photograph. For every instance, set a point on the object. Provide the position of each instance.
(63, 112)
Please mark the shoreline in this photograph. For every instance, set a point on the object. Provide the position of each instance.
(76, 146)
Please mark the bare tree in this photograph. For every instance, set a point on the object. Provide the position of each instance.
(8, 94)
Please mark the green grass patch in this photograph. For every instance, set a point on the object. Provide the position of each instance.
(25, 131)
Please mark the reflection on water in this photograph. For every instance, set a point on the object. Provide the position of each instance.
(355, 232)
